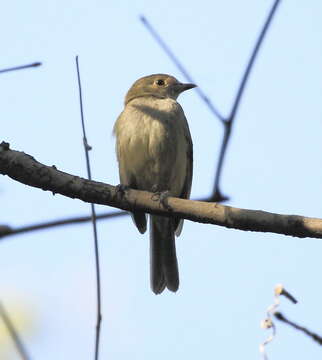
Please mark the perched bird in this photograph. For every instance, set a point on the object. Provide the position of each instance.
(154, 151)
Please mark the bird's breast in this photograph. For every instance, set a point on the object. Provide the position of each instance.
(151, 143)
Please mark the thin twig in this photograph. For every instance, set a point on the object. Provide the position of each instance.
(179, 65)
(13, 333)
(87, 148)
(216, 194)
(317, 338)
(227, 122)
(21, 67)
(280, 290)
(8, 231)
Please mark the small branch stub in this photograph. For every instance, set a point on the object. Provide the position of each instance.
(4, 146)
(268, 322)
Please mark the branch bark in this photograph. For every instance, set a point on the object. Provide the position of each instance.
(25, 169)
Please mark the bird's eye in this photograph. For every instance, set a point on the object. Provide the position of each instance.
(160, 82)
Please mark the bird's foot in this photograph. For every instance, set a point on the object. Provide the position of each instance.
(121, 189)
(162, 197)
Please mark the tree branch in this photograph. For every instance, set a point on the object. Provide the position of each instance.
(25, 169)
(317, 338)
(20, 347)
(21, 67)
(87, 149)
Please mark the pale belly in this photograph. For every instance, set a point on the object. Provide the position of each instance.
(152, 156)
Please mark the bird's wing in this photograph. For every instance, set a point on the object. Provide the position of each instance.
(127, 178)
(185, 193)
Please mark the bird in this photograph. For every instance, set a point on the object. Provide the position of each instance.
(155, 153)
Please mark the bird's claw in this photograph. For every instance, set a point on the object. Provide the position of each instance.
(162, 197)
(121, 189)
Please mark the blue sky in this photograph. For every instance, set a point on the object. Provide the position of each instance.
(273, 163)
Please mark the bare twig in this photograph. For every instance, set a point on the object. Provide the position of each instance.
(25, 169)
(179, 65)
(317, 338)
(9, 231)
(87, 148)
(13, 333)
(280, 290)
(21, 67)
(216, 195)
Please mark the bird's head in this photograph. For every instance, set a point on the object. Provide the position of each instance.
(157, 85)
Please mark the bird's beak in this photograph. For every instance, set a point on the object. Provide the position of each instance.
(183, 87)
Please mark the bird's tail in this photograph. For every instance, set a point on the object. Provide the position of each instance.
(164, 265)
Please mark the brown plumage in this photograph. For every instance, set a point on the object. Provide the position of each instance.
(154, 151)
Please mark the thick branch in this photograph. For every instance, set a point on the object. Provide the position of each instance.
(25, 169)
